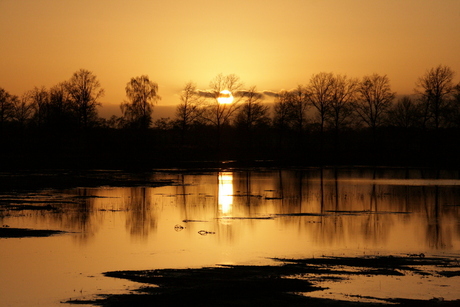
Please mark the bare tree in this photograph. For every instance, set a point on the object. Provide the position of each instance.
(251, 117)
(252, 113)
(343, 95)
(39, 98)
(404, 114)
(320, 91)
(190, 109)
(282, 114)
(60, 111)
(6, 107)
(23, 108)
(85, 90)
(297, 107)
(142, 95)
(375, 97)
(454, 114)
(218, 114)
(435, 89)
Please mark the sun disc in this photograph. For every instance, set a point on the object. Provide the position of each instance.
(225, 97)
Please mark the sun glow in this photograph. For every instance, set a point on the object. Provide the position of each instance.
(225, 97)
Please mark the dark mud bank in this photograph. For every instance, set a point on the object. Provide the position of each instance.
(271, 285)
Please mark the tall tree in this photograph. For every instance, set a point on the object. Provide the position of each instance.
(251, 117)
(298, 105)
(142, 95)
(252, 113)
(343, 95)
(60, 112)
(39, 98)
(375, 97)
(282, 117)
(404, 114)
(6, 107)
(85, 90)
(339, 110)
(320, 91)
(435, 89)
(218, 114)
(190, 108)
(454, 114)
(23, 108)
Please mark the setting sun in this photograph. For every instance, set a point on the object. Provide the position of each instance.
(225, 97)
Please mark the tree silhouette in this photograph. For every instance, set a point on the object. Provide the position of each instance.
(39, 100)
(339, 112)
(190, 108)
(404, 114)
(343, 95)
(282, 116)
(375, 97)
(454, 108)
(84, 91)
(297, 109)
(252, 113)
(22, 108)
(370, 125)
(60, 112)
(142, 95)
(6, 107)
(320, 91)
(435, 89)
(282, 119)
(216, 114)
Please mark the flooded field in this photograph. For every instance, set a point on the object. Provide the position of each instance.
(115, 221)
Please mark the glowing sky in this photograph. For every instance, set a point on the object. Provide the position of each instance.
(273, 44)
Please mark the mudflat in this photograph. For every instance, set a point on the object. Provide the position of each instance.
(288, 282)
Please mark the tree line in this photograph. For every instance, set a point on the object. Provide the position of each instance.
(331, 117)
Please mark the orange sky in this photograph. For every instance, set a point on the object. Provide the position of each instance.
(273, 44)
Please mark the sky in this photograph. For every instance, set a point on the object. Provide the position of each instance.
(270, 44)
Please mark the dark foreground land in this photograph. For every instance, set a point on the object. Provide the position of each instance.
(272, 285)
(107, 148)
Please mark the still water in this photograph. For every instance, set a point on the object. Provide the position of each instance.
(175, 219)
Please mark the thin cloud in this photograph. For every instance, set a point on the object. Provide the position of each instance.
(270, 93)
(206, 93)
(239, 93)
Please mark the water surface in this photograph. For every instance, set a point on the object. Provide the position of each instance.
(175, 219)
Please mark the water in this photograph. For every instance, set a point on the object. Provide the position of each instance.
(228, 217)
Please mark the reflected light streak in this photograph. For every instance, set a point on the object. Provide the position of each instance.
(225, 194)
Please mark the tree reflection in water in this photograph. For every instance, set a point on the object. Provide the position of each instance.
(329, 207)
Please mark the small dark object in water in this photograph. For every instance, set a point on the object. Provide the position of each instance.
(178, 227)
(204, 232)
(194, 221)
(421, 255)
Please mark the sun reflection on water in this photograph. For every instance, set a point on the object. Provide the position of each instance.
(225, 194)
